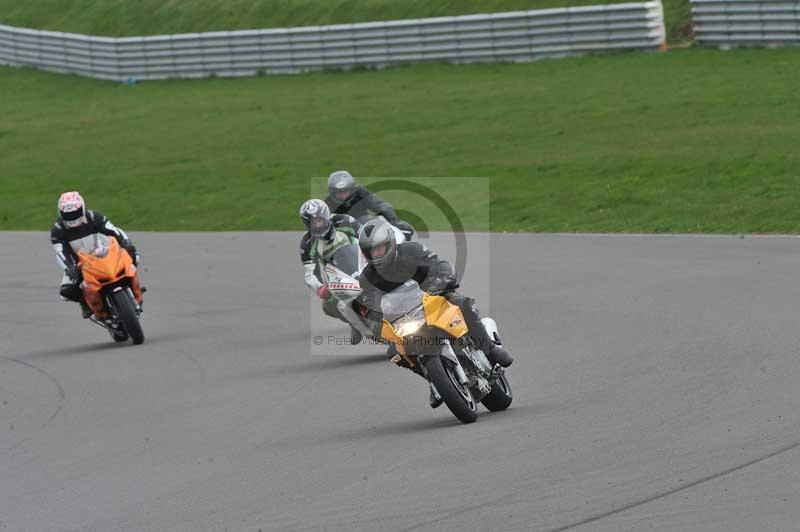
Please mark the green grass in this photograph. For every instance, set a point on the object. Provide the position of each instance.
(151, 17)
(686, 141)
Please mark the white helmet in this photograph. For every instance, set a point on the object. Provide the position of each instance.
(71, 209)
(316, 217)
(340, 186)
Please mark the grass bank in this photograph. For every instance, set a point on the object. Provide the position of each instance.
(153, 17)
(687, 141)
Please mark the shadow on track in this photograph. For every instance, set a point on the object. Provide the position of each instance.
(70, 350)
(290, 337)
(325, 363)
(98, 347)
(424, 423)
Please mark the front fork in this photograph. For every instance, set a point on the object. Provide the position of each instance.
(136, 300)
(98, 307)
(106, 320)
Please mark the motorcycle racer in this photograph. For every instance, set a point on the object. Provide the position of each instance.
(73, 224)
(391, 264)
(346, 197)
(325, 233)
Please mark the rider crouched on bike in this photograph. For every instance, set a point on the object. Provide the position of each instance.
(74, 223)
(391, 264)
(325, 233)
(346, 197)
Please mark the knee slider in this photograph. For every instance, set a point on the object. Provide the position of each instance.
(70, 292)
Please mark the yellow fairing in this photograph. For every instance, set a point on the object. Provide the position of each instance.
(390, 335)
(440, 313)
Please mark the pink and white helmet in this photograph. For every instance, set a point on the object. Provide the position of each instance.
(71, 209)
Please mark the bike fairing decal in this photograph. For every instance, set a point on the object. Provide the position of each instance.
(343, 286)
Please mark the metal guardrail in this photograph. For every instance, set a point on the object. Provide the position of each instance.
(497, 37)
(733, 23)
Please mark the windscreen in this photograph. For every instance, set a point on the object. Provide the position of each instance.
(346, 259)
(96, 244)
(404, 299)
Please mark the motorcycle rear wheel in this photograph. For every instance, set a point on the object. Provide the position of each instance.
(500, 397)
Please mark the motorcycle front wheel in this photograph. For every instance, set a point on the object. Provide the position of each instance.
(120, 337)
(126, 313)
(456, 396)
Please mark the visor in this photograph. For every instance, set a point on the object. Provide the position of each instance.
(378, 252)
(318, 226)
(342, 195)
(71, 216)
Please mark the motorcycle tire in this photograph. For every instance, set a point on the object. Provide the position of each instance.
(126, 313)
(456, 396)
(500, 397)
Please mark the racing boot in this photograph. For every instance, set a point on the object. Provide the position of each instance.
(86, 312)
(498, 355)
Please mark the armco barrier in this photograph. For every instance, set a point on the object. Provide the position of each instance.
(733, 23)
(497, 37)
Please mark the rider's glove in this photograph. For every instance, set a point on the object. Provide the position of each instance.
(405, 227)
(324, 292)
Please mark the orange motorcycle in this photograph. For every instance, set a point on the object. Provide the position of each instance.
(111, 287)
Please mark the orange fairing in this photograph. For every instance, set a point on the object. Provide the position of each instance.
(440, 313)
(102, 270)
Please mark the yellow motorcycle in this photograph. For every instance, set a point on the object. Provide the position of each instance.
(431, 338)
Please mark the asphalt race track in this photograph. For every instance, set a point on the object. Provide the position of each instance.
(656, 389)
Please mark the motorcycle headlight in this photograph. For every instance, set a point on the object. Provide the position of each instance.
(409, 326)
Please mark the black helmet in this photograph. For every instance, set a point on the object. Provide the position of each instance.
(340, 186)
(316, 217)
(378, 243)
